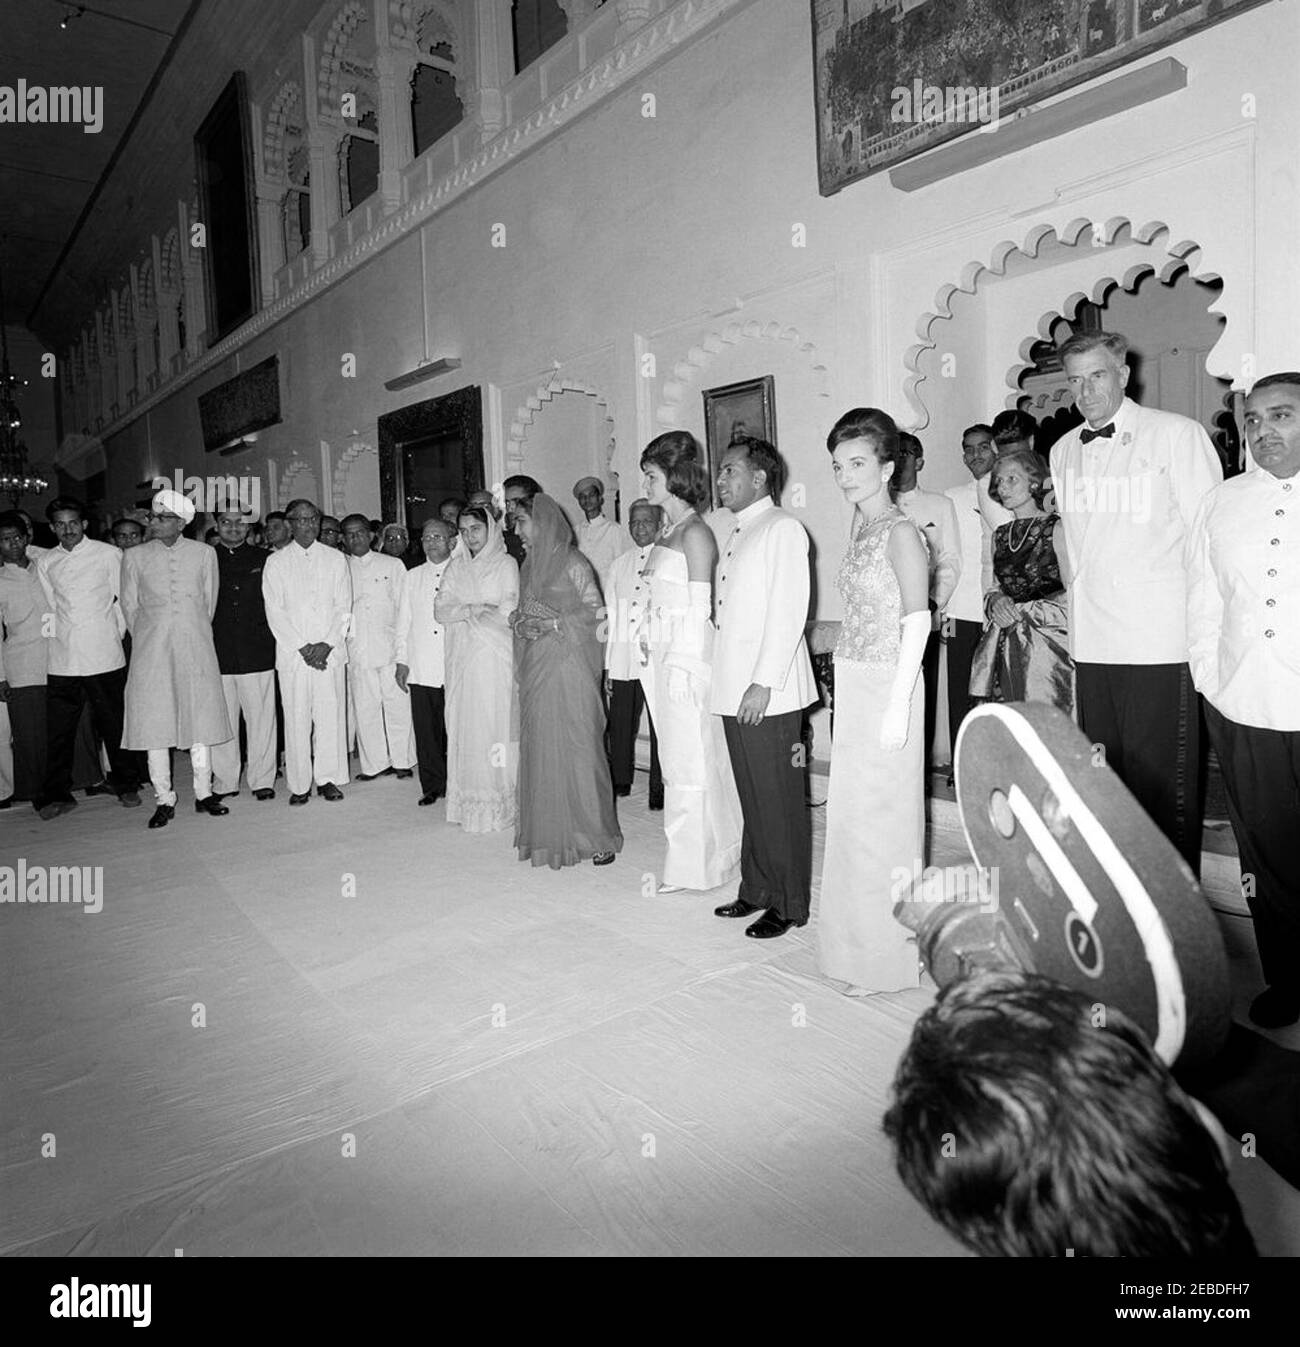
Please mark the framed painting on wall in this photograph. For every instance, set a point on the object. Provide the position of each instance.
(894, 78)
(746, 408)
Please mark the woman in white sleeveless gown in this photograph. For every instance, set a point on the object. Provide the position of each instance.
(702, 819)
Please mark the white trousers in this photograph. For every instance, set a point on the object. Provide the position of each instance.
(160, 773)
(381, 712)
(315, 730)
(253, 694)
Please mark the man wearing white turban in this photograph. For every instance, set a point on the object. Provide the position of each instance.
(600, 540)
(174, 697)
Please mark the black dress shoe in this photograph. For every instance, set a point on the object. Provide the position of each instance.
(266, 794)
(769, 926)
(656, 801)
(162, 816)
(431, 798)
(403, 773)
(740, 908)
(373, 776)
(622, 792)
(1274, 1008)
(130, 798)
(329, 791)
(7, 802)
(212, 805)
(224, 794)
(100, 788)
(603, 858)
(300, 799)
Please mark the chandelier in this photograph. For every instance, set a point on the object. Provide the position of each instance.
(16, 477)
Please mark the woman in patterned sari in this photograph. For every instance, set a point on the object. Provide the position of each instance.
(566, 798)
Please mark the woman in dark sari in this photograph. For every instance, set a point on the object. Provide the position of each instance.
(566, 799)
(1024, 654)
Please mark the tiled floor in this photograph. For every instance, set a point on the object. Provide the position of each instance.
(350, 1028)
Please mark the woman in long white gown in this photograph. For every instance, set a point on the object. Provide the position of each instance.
(875, 807)
(479, 591)
(702, 819)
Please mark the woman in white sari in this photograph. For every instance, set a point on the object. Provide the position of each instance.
(479, 592)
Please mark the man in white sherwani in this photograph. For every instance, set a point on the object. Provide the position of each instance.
(762, 681)
(173, 697)
(1128, 485)
(1243, 626)
(380, 708)
(309, 607)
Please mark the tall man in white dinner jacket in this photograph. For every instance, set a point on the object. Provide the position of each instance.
(762, 681)
(309, 608)
(1243, 625)
(1128, 485)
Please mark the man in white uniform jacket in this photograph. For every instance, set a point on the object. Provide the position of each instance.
(309, 608)
(627, 594)
(1243, 627)
(380, 707)
(762, 681)
(977, 516)
(1128, 484)
(422, 657)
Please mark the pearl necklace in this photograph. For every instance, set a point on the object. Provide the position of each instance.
(1024, 537)
(669, 529)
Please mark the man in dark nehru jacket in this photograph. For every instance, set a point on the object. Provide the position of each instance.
(246, 656)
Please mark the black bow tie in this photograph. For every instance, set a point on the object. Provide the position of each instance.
(1104, 433)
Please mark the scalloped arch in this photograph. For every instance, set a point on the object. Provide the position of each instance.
(687, 370)
(333, 49)
(413, 23)
(171, 267)
(286, 100)
(343, 466)
(296, 468)
(547, 392)
(1184, 254)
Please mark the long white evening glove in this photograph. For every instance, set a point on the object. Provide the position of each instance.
(690, 649)
(893, 725)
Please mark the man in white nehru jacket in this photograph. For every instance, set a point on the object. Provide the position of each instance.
(379, 706)
(174, 697)
(599, 539)
(309, 607)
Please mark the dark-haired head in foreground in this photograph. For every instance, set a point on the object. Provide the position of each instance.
(1030, 1120)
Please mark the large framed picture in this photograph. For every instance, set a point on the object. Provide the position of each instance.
(894, 78)
(746, 408)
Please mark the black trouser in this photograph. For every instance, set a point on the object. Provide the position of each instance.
(27, 721)
(961, 651)
(64, 699)
(776, 850)
(1147, 718)
(626, 702)
(1261, 775)
(930, 671)
(429, 721)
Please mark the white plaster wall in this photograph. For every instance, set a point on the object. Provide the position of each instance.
(627, 234)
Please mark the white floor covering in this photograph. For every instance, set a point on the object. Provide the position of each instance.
(416, 1045)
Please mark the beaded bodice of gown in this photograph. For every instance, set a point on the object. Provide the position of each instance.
(1024, 559)
(871, 632)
